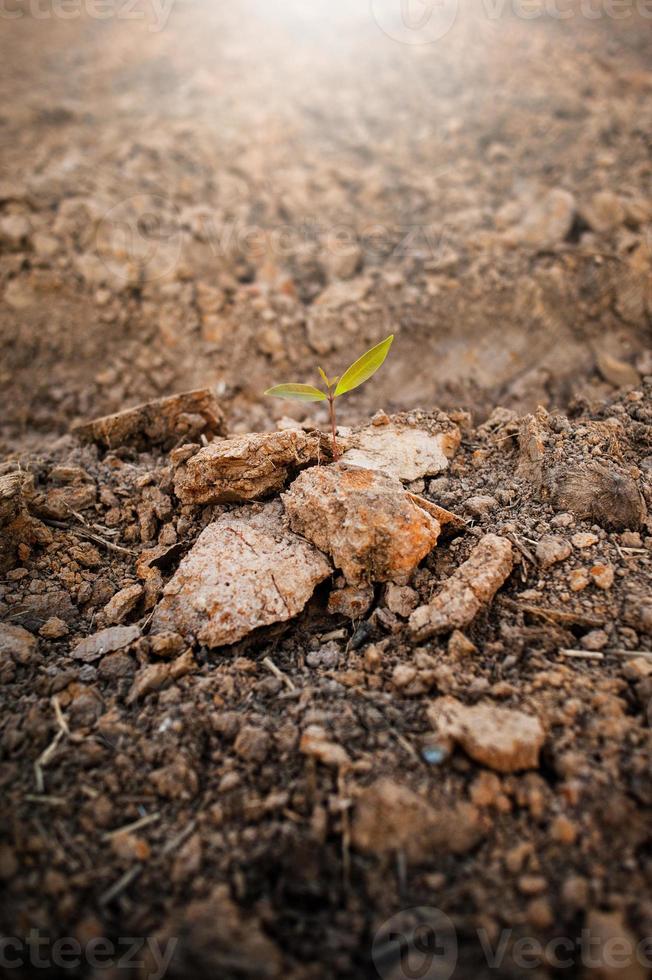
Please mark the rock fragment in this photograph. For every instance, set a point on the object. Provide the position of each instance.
(401, 599)
(602, 575)
(547, 222)
(17, 642)
(162, 422)
(552, 549)
(471, 586)
(352, 601)
(122, 604)
(53, 629)
(246, 570)
(246, 467)
(365, 520)
(407, 447)
(480, 505)
(316, 743)
(584, 539)
(11, 496)
(155, 676)
(105, 641)
(501, 738)
(390, 818)
(59, 502)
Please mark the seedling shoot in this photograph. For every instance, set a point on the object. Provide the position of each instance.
(355, 375)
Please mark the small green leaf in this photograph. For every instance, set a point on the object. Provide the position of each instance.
(324, 378)
(302, 393)
(364, 367)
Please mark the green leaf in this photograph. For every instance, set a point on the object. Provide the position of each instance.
(324, 378)
(364, 367)
(302, 393)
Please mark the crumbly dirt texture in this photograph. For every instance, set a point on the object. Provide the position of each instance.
(218, 206)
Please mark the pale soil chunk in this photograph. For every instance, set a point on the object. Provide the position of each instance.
(122, 604)
(162, 422)
(158, 675)
(246, 570)
(501, 738)
(11, 496)
(552, 549)
(407, 447)
(316, 743)
(470, 587)
(602, 575)
(352, 601)
(372, 529)
(114, 638)
(246, 467)
(547, 221)
(391, 818)
(17, 642)
(401, 599)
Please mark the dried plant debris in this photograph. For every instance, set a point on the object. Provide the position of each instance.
(163, 422)
(371, 528)
(580, 467)
(246, 570)
(600, 494)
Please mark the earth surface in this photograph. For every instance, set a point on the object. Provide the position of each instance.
(226, 196)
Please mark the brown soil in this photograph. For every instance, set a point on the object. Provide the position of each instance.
(168, 201)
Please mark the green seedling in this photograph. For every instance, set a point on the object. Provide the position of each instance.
(359, 372)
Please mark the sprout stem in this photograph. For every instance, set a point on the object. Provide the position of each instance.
(331, 410)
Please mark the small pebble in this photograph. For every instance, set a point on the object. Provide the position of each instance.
(584, 539)
(602, 575)
(595, 640)
(53, 628)
(578, 579)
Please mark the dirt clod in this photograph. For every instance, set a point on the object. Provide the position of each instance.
(246, 570)
(501, 738)
(105, 641)
(162, 422)
(470, 587)
(390, 818)
(246, 467)
(364, 520)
